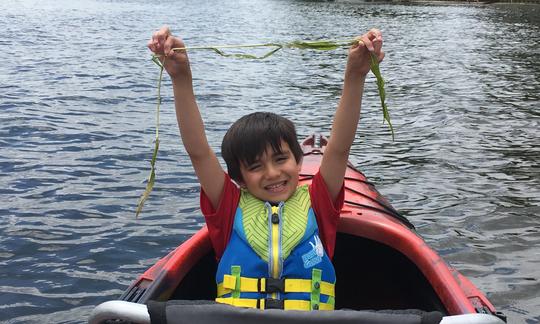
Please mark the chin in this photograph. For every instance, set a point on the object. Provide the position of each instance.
(282, 197)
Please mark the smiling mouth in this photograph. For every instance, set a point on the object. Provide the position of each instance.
(276, 187)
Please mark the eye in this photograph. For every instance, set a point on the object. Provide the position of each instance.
(282, 158)
(254, 167)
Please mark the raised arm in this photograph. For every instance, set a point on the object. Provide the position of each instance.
(204, 160)
(334, 163)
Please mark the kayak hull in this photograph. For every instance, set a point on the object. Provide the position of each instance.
(381, 262)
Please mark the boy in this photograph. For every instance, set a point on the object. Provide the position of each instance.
(274, 240)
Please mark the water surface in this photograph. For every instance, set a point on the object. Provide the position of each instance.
(77, 99)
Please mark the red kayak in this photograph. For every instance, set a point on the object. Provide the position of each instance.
(383, 269)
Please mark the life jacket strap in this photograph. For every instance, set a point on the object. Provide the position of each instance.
(315, 282)
(270, 303)
(231, 283)
(235, 273)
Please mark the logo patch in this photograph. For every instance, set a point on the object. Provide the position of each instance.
(314, 256)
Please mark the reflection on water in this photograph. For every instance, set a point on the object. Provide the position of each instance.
(77, 93)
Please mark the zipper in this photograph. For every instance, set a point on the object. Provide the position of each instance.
(275, 262)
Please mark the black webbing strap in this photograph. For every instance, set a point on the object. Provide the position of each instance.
(157, 311)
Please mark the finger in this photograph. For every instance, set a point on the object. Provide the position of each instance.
(377, 40)
(155, 40)
(374, 33)
(377, 44)
(367, 43)
(163, 33)
(151, 46)
(169, 44)
(381, 56)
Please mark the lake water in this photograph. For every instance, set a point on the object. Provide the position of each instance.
(77, 122)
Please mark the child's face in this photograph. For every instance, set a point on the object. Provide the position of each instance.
(273, 176)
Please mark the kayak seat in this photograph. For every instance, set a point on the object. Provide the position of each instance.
(206, 312)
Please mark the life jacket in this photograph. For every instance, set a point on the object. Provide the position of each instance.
(275, 258)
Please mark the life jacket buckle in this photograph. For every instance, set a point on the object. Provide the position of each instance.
(271, 303)
(272, 285)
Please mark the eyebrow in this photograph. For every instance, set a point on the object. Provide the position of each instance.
(283, 152)
(274, 154)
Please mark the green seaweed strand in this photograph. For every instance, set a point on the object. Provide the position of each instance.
(323, 45)
(218, 50)
(374, 64)
(152, 177)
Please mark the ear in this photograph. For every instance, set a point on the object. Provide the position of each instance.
(241, 183)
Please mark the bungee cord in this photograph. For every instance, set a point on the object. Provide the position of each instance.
(324, 45)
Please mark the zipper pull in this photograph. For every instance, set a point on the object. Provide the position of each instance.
(275, 215)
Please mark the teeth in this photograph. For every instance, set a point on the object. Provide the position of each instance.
(275, 186)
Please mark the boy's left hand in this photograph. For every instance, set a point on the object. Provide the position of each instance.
(359, 59)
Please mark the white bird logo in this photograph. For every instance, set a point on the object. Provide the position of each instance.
(317, 247)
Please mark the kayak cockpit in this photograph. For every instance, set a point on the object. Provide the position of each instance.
(370, 275)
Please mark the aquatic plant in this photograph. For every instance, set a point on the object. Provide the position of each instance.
(152, 176)
(374, 64)
(323, 45)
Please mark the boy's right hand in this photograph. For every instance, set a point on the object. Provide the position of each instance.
(176, 63)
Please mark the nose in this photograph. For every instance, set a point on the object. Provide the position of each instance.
(272, 171)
